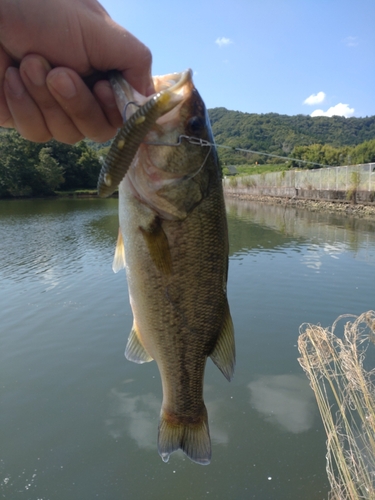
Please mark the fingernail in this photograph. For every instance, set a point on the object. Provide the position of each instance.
(105, 93)
(62, 84)
(13, 82)
(36, 72)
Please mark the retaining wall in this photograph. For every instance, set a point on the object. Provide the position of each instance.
(366, 197)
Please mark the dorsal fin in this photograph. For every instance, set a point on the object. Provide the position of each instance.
(135, 350)
(224, 353)
(119, 257)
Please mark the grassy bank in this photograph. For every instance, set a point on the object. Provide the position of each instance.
(81, 193)
(76, 192)
(256, 169)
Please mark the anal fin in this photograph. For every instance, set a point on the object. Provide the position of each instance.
(135, 350)
(119, 257)
(224, 353)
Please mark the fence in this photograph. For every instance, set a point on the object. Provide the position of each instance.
(347, 178)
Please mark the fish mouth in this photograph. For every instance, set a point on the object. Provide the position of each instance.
(174, 82)
(178, 85)
(164, 105)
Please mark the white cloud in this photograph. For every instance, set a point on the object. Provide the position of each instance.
(221, 42)
(137, 416)
(339, 110)
(285, 400)
(315, 99)
(351, 41)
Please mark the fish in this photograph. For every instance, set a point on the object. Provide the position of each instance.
(173, 243)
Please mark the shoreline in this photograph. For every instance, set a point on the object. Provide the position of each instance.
(360, 210)
(345, 208)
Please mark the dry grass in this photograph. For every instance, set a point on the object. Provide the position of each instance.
(345, 393)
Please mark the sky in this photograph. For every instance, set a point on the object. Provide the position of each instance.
(311, 57)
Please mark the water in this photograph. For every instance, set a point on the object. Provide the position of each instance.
(79, 422)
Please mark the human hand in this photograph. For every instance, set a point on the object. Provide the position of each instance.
(46, 97)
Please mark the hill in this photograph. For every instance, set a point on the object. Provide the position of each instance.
(279, 134)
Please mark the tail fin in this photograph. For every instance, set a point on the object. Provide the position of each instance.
(192, 438)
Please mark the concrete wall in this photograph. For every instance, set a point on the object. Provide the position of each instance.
(305, 194)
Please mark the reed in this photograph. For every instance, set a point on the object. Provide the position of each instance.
(344, 387)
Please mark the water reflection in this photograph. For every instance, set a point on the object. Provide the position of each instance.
(260, 227)
(65, 319)
(49, 238)
(135, 415)
(138, 416)
(314, 254)
(284, 400)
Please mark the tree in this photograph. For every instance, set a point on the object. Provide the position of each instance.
(50, 172)
(90, 166)
(17, 174)
(31, 169)
(280, 134)
(365, 152)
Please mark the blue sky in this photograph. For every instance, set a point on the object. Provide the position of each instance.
(259, 56)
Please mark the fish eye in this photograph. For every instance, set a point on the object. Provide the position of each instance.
(196, 125)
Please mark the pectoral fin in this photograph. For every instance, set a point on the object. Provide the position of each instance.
(119, 258)
(224, 353)
(158, 246)
(134, 348)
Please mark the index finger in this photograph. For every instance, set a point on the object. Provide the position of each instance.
(6, 119)
(119, 49)
(138, 72)
(79, 104)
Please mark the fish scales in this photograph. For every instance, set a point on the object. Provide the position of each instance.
(174, 233)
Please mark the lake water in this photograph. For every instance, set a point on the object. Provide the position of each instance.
(79, 422)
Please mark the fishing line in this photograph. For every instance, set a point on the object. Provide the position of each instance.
(201, 142)
(200, 168)
(196, 141)
(271, 155)
(126, 108)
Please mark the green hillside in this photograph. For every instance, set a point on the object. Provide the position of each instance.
(279, 134)
(31, 169)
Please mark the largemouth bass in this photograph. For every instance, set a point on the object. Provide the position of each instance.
(173, 236)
